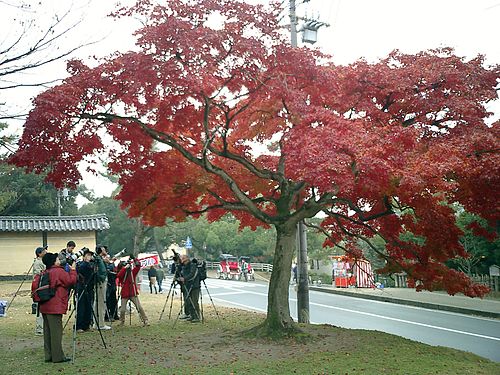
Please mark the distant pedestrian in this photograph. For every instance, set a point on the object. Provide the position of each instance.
(160, 275)
(294, 271)
(152, 279)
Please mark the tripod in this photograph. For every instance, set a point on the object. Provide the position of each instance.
(171, 291)
(211, 300)
(187, 299)
(19, 288)
(84, 291)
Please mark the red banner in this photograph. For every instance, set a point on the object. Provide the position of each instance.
(149, 261)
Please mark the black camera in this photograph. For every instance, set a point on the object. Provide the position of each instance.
(176, 257)
(72, 257)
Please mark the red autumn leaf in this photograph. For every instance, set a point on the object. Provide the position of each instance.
(202, 119)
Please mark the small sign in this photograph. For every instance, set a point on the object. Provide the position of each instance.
(494, 270)
(149, 261)
(188, 244)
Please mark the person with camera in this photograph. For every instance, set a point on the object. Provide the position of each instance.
(85, 291)
(53, 309)
(126, 276)
(66, 253)
(190, 283)
(101, 281)
(38, 267)
(111, 300)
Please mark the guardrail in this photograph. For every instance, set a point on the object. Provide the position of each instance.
(264, 267)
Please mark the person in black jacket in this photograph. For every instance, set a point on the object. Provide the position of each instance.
(152, 279)
(111, 299)
(84, 291)
(190, 281)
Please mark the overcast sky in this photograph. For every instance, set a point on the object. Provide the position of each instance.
(358, 28)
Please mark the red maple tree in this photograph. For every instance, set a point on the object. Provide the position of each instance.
(215, 112)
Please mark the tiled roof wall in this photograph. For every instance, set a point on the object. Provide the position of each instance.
(53, 223)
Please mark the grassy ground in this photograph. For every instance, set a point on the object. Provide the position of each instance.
(219, 347)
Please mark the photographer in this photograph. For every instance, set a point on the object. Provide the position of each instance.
(176, 270)
(85, 291)
(111, 300)
(126, 275)
(53, 309)
(101, 280)
(190, 281)
(38, 267)
(67, 253)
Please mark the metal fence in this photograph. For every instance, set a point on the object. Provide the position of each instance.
(264, 267)
(491, 282)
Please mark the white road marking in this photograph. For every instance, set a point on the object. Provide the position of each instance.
(367, 314)
(408, 322)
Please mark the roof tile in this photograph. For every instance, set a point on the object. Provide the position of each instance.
(53, 223)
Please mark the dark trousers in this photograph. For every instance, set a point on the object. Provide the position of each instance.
(185, 292)
(193, 307)
(84, 312)
(160, 281)
(52, 337)
(111, 302)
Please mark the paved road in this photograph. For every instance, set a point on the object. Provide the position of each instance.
(474, 334)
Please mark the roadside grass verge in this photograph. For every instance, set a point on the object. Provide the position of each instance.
(220, 347)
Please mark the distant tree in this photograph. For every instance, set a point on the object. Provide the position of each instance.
(121, 231)
(481, 243)
(24, 193)
(377, 148)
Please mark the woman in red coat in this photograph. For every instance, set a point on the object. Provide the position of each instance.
(53, 309)
(126, 277)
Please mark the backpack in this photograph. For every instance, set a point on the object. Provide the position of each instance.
(202, 270)
(41, 290)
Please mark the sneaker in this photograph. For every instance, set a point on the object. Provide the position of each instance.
(80, 330)
(105, 328)
(145, 324)
(39, 333)
(195, 320)
(184, 316)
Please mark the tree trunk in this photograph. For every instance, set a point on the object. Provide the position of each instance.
(278, 322)
(138, 236)
(158, 246)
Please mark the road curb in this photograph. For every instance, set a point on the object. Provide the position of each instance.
(426, 305)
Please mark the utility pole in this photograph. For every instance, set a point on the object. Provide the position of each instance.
(302, 277)
(293, 24)
(309, 31)
(58, 202)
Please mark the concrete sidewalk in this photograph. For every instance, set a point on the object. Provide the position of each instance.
(431, 300)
